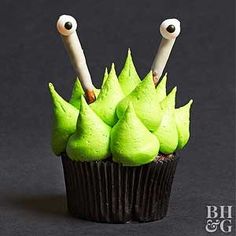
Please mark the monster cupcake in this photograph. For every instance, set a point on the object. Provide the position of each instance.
(118, 143)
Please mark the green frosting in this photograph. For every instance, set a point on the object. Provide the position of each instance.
(110, 95)
(161, 89)
(182, 115)
(76, 94)
(131, 142)
(130, 120)
(146, 105)
(128, 77)
(97, 91)
(169, 101)
(91, 139)
(64, 121)
(105, 77)
(167, 131)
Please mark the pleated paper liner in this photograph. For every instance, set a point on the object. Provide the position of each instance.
(104, 191)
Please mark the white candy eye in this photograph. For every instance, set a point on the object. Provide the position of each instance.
(66, 25)
(170, 28)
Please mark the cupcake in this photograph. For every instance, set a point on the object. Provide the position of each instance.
(118, 144)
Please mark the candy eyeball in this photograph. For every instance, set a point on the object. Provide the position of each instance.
(66, 25)
(170, 28)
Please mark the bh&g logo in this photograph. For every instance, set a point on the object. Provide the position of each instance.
(219, 218)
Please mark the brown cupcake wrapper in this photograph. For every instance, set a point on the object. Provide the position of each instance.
(105, 191)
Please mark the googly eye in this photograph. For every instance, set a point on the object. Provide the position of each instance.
(66, 25)
(170, 28)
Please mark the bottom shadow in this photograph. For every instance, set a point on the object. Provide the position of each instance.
(45, 204)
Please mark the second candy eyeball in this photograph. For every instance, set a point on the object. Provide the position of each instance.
(170, 28)
(66, 25)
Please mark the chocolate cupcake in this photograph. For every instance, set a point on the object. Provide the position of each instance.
(105, 191)
(118, 152)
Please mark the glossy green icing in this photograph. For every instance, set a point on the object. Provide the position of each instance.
(64, 121)
(182, 115)
(91, 139)
(131, 142)
(128, 77)
(146, 105)
(161, 89)
(167, 131)
(110, 95)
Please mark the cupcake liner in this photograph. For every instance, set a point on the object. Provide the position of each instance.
(153, 191)
(105, 191)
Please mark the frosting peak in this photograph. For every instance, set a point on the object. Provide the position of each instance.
(182, 115)
(76, 94)
(167, 131)
(161, 88)
(169, 101)
(92, 136)
(64, 121)
(144, 100)
(132, 143)
(108, 98)
(128, 77)
(105, 76)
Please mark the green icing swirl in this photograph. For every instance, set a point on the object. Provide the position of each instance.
(111, 94)
(128, 77)
(167, 131)
(131, 142)
(161, 89)
(64, 121)
(182, 115)
(91, 140)
(146, 105)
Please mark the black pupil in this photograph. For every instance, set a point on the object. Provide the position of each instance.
(68, 25)
(171, 28)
